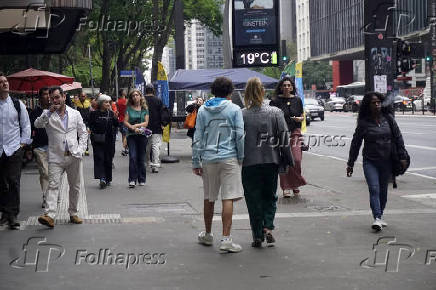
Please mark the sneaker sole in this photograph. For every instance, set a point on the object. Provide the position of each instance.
(230, 250)
(376, 228)
(208, 244)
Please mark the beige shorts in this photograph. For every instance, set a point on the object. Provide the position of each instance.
(225, 175)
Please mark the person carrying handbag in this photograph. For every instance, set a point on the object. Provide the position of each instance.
(382, 138)
(102, 123)
(136, 121)
(192, 110)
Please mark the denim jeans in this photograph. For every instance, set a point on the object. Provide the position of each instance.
(137, 145)
(377, 175)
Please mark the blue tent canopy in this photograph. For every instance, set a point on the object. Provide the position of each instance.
(202, 79)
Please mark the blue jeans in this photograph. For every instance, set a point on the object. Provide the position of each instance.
(137, 145)
(377, 175)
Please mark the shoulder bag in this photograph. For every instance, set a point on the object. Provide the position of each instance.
(397, 166)
(190, 120)
(100, 138)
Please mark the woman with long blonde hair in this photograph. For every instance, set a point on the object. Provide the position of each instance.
(136, 120)
(265, 127)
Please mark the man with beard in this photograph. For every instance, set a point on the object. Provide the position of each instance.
(67, 136)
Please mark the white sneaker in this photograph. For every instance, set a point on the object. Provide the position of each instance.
(383, 223)
(205, 238)
(377, 225)
(132, 184)
(141, 183)
(228, 246)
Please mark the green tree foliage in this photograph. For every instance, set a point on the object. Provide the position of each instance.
(316, 73)
(119, 33)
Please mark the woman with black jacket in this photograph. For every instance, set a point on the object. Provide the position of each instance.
(379, 131)
(102, 123)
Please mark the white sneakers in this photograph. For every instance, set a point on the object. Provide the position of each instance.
(226, 245)
(205, 238)
(132, 184)
(378, 224)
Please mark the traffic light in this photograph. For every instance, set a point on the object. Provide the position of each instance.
(405, 52)
(284, 58)
(428, 58)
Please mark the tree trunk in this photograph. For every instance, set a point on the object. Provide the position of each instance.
(106, 56)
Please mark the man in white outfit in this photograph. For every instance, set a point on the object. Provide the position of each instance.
(63, 125)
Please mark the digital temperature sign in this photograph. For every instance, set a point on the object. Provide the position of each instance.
(255, 34)
(256, 57)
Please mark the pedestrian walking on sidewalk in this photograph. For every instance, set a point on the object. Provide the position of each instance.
(265, 134)
(217, 155)
(102, 124)
(67, 141)
(376, 127)
(285, 99)
(40, 143)
(14, 135)
(122, 106)
(136, 120)
(83, 105)
(155, 122)
(190, 109)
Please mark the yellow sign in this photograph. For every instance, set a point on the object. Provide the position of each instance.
(299, 69)
(161, 74)
(166, 134)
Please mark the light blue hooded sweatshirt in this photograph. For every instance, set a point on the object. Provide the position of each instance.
(219, 133)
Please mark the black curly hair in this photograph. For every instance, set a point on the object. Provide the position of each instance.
(278, 89)
(365, 109)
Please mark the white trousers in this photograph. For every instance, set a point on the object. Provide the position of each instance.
(42, 162)
(153, 145)
(71, 166)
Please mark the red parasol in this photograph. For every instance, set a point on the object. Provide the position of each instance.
(31, 80)
(72, 86)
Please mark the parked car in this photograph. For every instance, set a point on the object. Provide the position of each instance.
(313, 109)
(402, 103)
(353, 103)
(418, 103)
(335, 104)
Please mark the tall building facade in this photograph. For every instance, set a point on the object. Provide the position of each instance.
(202, 48)
(303, 29)
(288, 23)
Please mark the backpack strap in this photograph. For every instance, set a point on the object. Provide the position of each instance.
(18, 109)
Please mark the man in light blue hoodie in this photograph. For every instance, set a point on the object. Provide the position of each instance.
(217, 155)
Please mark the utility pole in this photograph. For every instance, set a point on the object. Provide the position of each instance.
(380, 55)
(431, 8)
(227, 40)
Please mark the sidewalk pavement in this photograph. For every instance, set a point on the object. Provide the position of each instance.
(146, 238)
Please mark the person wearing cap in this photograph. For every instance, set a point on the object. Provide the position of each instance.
(102, 124)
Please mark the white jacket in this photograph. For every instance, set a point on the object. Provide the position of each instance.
(58, 137)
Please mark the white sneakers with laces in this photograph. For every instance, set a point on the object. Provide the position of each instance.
(227, 245)
(205, 238)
